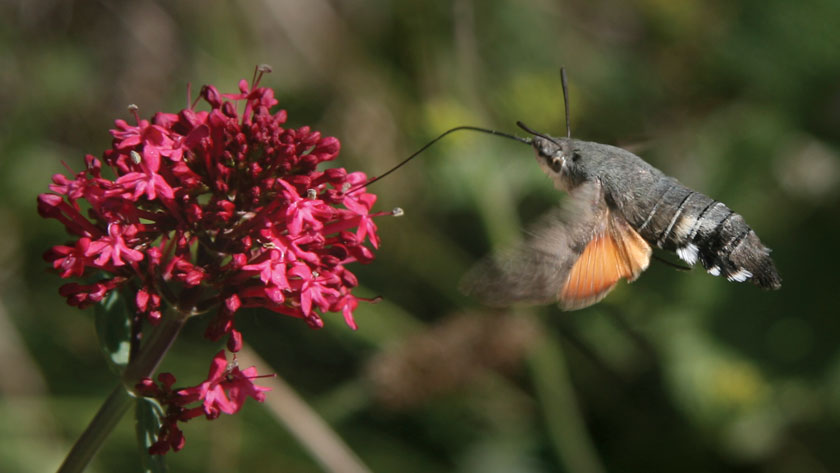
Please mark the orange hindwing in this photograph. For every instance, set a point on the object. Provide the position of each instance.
(615, 251)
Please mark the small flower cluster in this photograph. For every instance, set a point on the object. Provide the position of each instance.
(224, 391)
(214, 210)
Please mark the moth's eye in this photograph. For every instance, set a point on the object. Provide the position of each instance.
(575, 156)
(557, 163)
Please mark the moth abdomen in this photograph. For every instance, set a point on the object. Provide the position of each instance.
(673, 217)
(667, 209)
(728, 247)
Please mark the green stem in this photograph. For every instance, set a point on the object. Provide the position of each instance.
(563, 418)
(115, 406)
(97, 431)
(155, 349)
(307, 426)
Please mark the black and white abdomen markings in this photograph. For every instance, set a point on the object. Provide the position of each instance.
(674, 217)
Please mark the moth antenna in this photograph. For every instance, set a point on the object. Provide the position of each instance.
(427, 145)
(565, 84)
(536, 133)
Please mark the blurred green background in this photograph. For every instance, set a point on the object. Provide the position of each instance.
(676, 372)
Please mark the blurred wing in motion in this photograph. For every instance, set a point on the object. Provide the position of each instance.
(575, 255)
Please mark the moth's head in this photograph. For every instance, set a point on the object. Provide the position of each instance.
(559, 159)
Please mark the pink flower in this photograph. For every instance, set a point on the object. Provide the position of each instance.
(113, 247)
(272, 270)
(225, 389)
(147, 181)
(70, 260)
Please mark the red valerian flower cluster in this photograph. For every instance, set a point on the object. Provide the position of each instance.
(213, 210)
(216, 209)
(224, 392)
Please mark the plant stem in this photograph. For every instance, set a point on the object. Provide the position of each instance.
(120, 399)
(97, 431)
(314, 434)
(563, 418)
(155, 348)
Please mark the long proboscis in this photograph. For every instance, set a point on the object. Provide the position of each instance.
(427, 145)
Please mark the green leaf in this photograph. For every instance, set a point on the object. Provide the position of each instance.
(113, 326)
(149, 414)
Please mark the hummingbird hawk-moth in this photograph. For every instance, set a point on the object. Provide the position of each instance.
(618, 207)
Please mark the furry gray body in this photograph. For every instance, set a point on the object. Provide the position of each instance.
(664, 212)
